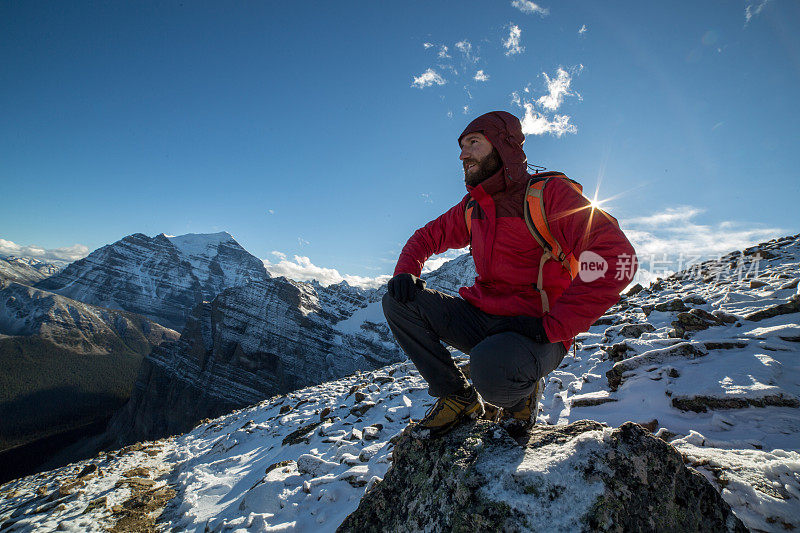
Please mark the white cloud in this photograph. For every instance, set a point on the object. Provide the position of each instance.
(465, 109)
(302, 242)
(535, 123)
(426, 197)
(512, 44)
(302, 269)
(481, 76)
(465, 47)
(515, 99)
(526, 6)
(753, 8)
(428, 78)
(271, 211)
(671, 239)
(558, 88)
(583, 30)
(443, 52)
(66, 253)
(427, 45)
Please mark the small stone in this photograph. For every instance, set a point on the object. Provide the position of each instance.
(361, 408)
(757, 284)
(360, 396)
(371, 432)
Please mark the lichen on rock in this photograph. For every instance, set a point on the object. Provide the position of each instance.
(581, 477)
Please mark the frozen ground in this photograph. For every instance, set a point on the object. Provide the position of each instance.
(719, 386)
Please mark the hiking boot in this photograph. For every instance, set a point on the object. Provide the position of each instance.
(450, 410)
(518, 422)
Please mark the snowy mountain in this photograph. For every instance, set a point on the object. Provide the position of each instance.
(707, 360)
(253, 342)
(64, 364)
(26, 270)
(162, 278)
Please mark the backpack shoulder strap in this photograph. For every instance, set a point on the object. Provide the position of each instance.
(536, 220)
(468, 215)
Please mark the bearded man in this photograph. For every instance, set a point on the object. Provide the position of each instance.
(517, 320)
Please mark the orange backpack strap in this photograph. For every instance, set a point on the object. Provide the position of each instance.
(468, 216)
(536, 220)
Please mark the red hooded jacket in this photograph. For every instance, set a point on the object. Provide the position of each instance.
(507, 256)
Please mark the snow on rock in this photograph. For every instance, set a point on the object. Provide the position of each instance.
(579, 477)
(26, 269)
(304, 460)
(160, 277)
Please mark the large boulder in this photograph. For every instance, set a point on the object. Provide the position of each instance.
(581, 477)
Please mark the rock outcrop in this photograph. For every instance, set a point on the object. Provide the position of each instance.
(162, 278)
(580, 477)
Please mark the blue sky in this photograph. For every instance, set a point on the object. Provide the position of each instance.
(322, 134)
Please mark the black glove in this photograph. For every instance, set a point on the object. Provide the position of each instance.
(529, 326)
(404, 287)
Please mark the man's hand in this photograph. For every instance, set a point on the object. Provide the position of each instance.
(404, 287)
(529, 326)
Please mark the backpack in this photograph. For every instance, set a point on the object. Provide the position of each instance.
(536, 220)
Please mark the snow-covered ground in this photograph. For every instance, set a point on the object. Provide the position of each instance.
(726, 397)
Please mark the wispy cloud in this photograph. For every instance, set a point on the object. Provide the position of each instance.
(300, 268)
(302, 242)
(512, 43)
(670, 215)
(443, 52)
(481, 76)
(558, 88)
(428, 78)
(753, 8)
(64, 254)
(526, 6)
(427, 45)
(465, 47)
(583, 30)
(426, 197)
(271, 211)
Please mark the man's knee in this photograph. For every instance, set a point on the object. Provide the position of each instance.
(501, 372)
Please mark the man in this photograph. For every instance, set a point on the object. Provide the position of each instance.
(518, 319)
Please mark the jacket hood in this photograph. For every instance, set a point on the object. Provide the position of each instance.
(504, 131)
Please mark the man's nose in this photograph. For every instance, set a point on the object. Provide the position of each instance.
(464, 154)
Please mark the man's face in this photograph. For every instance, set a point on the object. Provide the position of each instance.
(479, 158)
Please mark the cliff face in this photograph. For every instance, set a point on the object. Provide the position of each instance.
(64, 363)
(248, 344)
(162, 278)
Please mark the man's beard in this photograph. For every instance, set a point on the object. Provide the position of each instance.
(486, 168)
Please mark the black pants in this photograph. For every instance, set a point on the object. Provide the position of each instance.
(504, 367)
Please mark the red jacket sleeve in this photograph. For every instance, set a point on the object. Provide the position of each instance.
(444, 233)
(580, 229)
